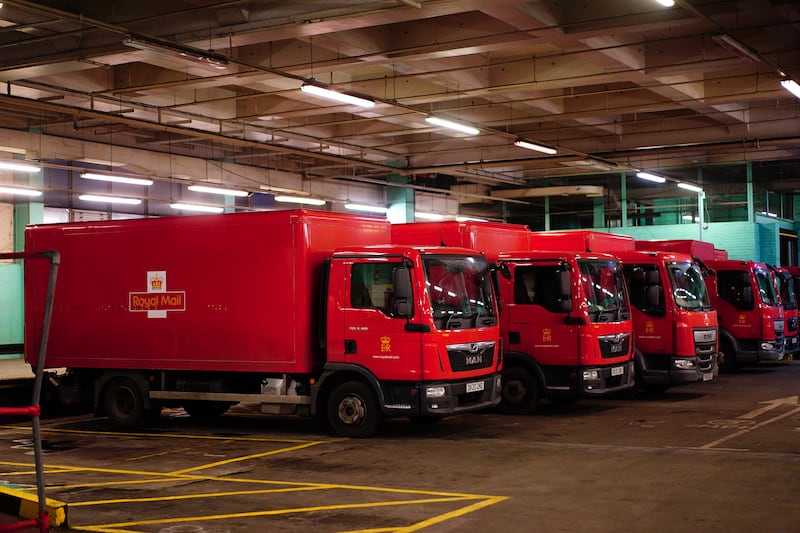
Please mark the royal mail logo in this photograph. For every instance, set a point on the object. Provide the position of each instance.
(156, 301)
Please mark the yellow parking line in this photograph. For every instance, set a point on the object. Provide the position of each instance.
(452, 514)
(168, 435)
(151, 455)
(193, 496)
(274, 512)
(246, 457)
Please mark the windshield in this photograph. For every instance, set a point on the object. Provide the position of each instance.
(766, 288)
(604, 290)
(688, 287)
(785, 288)
(460, 290)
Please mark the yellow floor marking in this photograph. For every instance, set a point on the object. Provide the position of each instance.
(274, 512)
(246, 457)
(452, 514)
(749, 429)
(194, 496)
(159, 454)
(288, 486)
(169, 435)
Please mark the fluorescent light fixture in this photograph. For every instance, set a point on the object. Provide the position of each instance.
(318, 90)
(535, 146)
(19, 191)
(428, 216)
(300, 200)
(109, 199)
(651, 177)
(732, 45)
(198, 208)
(768, 214)
(666, 3)
(457, 126)
(690, 187)
(19, 167)
(217, 190)
(176, 50)
(791, 86)
(470, 219)
(116, 179)
(367, 208)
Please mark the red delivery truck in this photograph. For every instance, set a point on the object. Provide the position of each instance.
(299, 311)
(749, 310)
(786, 290)
(674, 323)
(564, 316)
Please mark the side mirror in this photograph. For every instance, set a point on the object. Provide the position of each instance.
(652, 296)
(403, 292)
(747, 297)
(563, 281)
(504, 270)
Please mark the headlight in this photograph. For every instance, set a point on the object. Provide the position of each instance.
(589, 375)
(684, 364)
(434, 392)
(767, 346)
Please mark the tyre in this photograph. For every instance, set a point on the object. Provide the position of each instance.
(520, 391)
(204, 410)
(353, 410)
(726, 358)
(123, 401)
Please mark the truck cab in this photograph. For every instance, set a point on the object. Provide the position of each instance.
(565, 321)
(675, 324)
(749, 310)
(566, 327)
(786, 289)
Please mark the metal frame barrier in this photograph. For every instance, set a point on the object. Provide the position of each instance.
(34, 410)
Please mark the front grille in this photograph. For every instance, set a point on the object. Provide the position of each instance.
(614, 345)
(705, 348)
(778, 330)
(470, 356)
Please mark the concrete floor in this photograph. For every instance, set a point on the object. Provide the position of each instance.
(717, 456)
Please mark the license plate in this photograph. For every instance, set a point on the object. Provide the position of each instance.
(708, 376)
(476, 386)
(617, 370)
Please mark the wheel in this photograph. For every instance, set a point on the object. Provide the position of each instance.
(124, 402)
(726, 359)
(353, 410)
(520, 391)
(204, 410)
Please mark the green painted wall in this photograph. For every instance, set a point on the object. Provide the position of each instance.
(738, 238)
(11, 319)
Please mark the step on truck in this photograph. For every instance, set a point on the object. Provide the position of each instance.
(299, 311)
(749, 310)
(674, 324)
(564, 318)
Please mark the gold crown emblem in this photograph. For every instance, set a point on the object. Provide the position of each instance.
(156, 282)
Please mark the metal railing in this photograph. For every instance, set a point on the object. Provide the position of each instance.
(34, 410)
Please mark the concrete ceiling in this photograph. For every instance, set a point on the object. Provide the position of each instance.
(612, 85)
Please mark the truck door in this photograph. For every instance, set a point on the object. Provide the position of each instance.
(374, 337)
(538, 308)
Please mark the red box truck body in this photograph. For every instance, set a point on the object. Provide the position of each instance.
(295, 310)
(674, 323)
(743, 293)
(557, 342)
